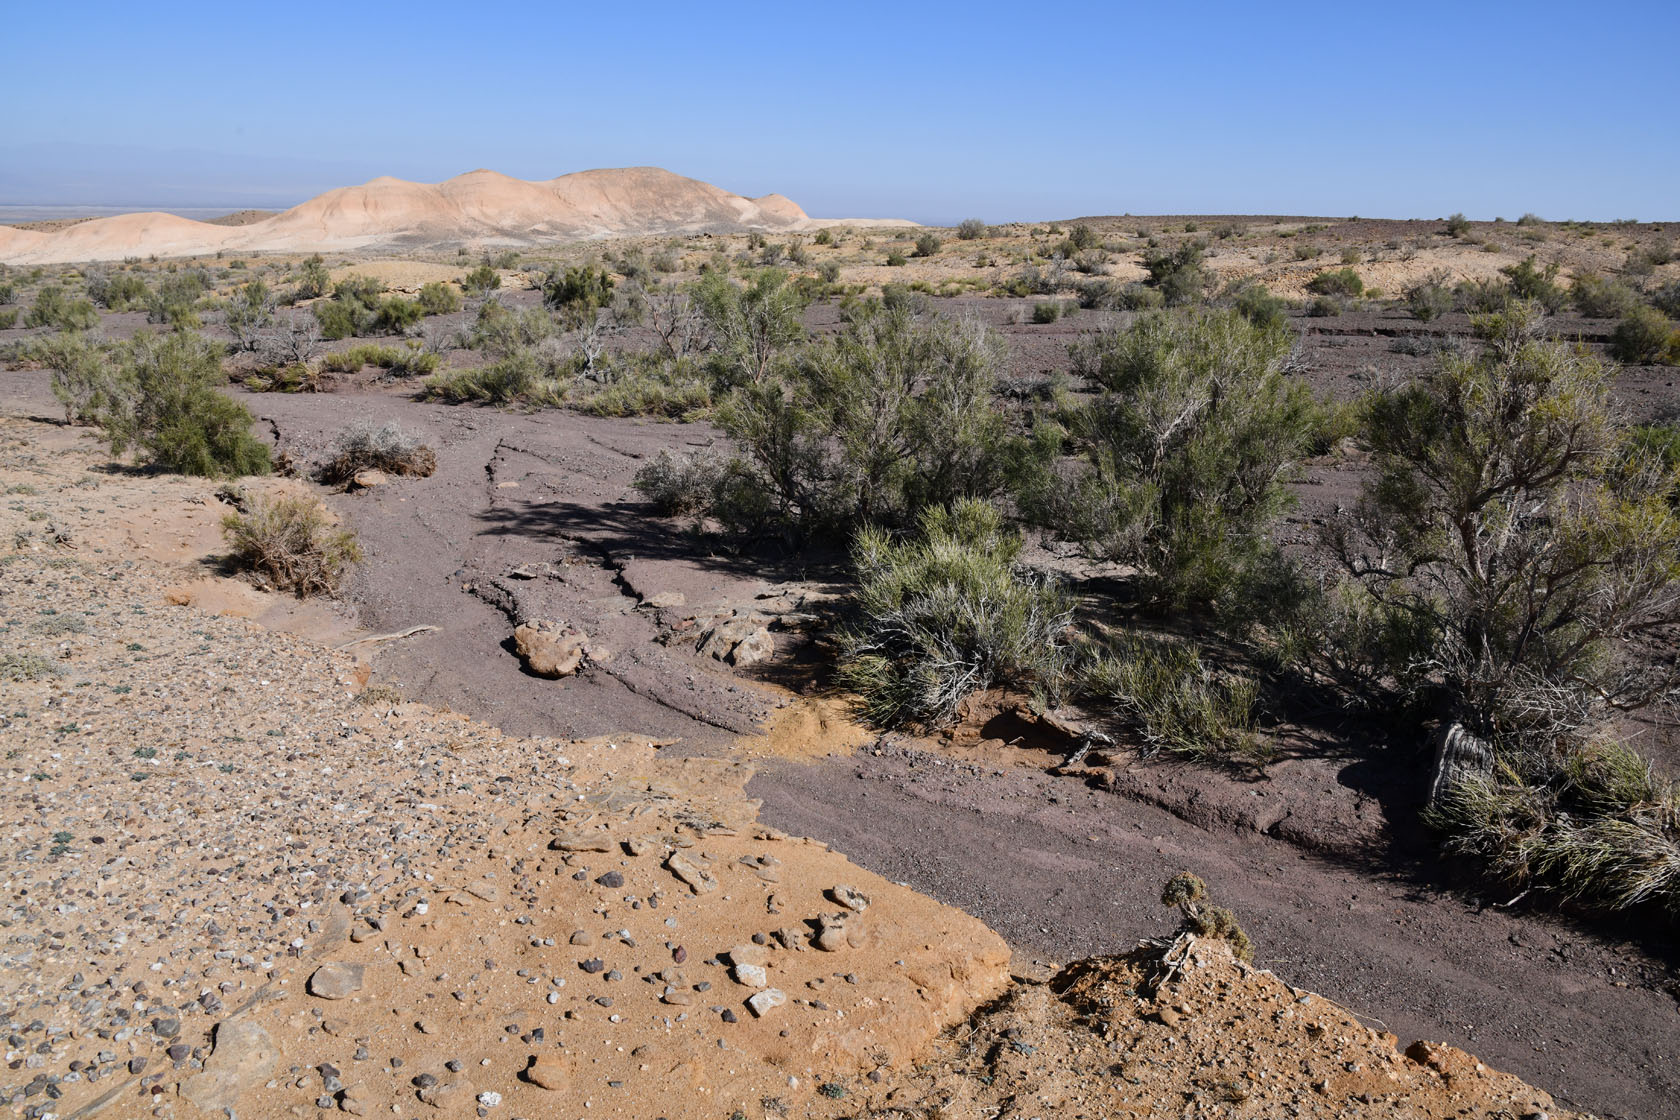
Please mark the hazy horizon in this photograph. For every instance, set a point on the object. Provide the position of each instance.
(931, 112)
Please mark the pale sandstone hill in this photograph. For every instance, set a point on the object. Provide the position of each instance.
(481, 207)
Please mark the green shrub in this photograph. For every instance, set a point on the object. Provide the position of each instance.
(408, 360)
(1189, 894)
(1342, 282)
(577, 293)
(1184, 449)
(1537, 284)
(8, 292)
(167, 404)
(1667, 299)
(1599, 298)
(287, 544)
(751, 326)
(891, 414)
(1046, 311)
(481, 281)
(896, 259)
(1431, 297)
(1458, 226)
(174, 300)
(19, 666)
(1178, 275)
(56, 310)
(8, 319)
(313, 279)
(84, 379)
(971, 229)
(1641, 336)
(117, 292)
(1508, 544)
(947, 614)
(438, 298)
(500, 331)
(677, 485)
(927, 245)
(646, 385)
(524, 375)
(1482, 297)
(1256, 303)
(1325, 307)
(396, 316)
(1175, 701)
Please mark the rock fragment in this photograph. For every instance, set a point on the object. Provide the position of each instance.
(336, 980)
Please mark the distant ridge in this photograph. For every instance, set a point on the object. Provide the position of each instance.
(481, 207)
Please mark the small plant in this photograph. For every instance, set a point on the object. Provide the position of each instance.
(1641, 336)
(577, 293)
(1046, 311)
(1177, 703)
(481, 281)
(1431, 297)
(927, 244)
(287, 544)
(971, 229)
(1599, 298)
(1189, 894)
(1257, 304)
(948, 614)
(438, 298)
(1458, 226)
(1342, 282)
(896, 259)
(1178, 275)
(55, 309)
(1534, 283)
(28, 667)
(388, 448)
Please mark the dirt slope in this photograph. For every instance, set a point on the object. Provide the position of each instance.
(481, 207)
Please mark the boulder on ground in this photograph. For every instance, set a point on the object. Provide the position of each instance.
(551, 649)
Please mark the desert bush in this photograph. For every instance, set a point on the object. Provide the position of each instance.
(577, 293)
(1538, 284)
(1175, 701)
(287, 544)
(53, 308)
(927, 244)
(1325, 307)
(313, 279)
(1599, 298)
(681, 484)
(749, 326)
(1594, 826)
(387, 447)
(83, 376)
(173, 301)
(292, 340)
(1431, 297)
(408, 360)
(538, 376)
(1482, 297)
(829, 272)
(896, 259)
(1201, 918)
(1178, 275)
(891, 414)
(438, 298)
(1183, 451)
(500, 331)
(8, 319)
(1046, 311)
(481, 281)
(1667, 299)
(166, 402)
(646, 385)
(971, 229)
(1506, 547)
(1458, 226)
(1256, 303)
(949, 613)
(20, 666)
(1641, 336)
(8, 292)
(249, 314)
(116, 291)
(394, 315)
(1343, 283)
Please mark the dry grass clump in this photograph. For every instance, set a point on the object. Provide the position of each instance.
(15, 666)
(388, 448)
(288, 544)
(1177, 702)
(1202, 918)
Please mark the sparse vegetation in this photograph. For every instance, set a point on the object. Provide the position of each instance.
(386, 447)
(950, 613)
(287, 543)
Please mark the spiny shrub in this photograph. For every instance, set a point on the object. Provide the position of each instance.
(313, 279)
(287, 544)
(387, 447)
(947, 614)
(1183, 451)
(21, 666)
(168, 404)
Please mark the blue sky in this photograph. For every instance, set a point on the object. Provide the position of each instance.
(927, 111)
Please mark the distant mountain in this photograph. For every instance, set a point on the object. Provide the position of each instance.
(483, 208)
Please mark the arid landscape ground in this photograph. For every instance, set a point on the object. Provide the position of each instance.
(287, 856)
